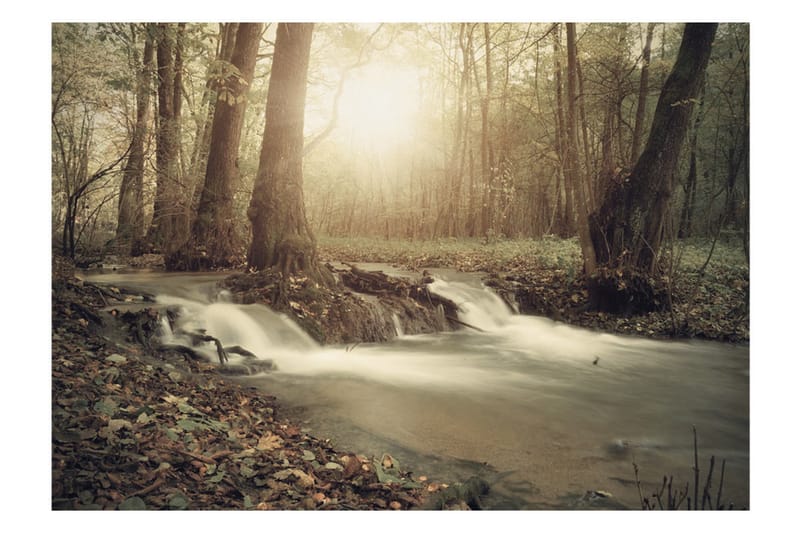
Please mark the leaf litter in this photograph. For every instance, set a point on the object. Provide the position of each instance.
(127, 436)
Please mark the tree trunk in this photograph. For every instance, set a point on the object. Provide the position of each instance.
(213, 241)
(690, 187)
(587, 154)
(202, 144)
(282, 237)
(572, 167)
(627, 229)
(641, 105)
(169, 225)
(487, 155)
(566, 225)
(130, 218)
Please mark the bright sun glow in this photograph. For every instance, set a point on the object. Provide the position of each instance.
(379, 104)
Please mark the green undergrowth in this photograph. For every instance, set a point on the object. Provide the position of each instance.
(461, 254)
(476, 254)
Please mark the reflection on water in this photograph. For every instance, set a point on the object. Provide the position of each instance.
(543, 410)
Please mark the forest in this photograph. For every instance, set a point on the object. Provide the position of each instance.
(350, 177)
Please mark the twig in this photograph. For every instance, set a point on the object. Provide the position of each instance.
(457, 321)
(696, 469)
(721, 481)
(706, 493)
(150, 488)
(642, 501)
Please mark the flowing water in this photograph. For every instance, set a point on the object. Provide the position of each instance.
(546, 412)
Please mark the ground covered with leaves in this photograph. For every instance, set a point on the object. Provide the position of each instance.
(134, 428)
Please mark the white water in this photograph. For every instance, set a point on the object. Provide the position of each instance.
(523, 394)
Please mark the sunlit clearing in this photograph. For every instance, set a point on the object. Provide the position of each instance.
(378, 106)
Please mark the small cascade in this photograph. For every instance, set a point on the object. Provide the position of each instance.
(256, 328)
(478, 306)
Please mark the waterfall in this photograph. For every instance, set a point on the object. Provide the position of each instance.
(478, 306)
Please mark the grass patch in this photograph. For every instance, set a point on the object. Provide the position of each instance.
(476, 255)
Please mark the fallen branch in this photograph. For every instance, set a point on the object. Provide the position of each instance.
(150, 488)
(459, 322)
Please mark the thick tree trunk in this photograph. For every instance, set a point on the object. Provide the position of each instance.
(282, 237)
(130, 218)
(627, 229)
(202, 145)
(213, 241)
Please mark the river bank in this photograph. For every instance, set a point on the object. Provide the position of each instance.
(709, 283)
(136, 429)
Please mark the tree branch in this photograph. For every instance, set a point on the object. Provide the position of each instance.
(360, 62)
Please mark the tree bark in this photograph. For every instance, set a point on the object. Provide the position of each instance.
(169, 226)
(282, 237)
(487, 155)
(690, 187)
(644, 86)
(566, 225)
(130, 218)
(627, 229)
(572, 167)
(213, 235)
(202, 145)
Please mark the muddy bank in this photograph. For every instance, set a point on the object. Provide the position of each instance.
(363, 306)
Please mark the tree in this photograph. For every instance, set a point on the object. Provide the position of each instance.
(169, 226)
(213, 236)
(627, 229)
(87, 84)
(282, 237)
(130, 217)
(571, 166)
(644, 85)
(566, 223)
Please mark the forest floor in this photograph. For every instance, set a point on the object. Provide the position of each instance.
(709, 285)
(140, 427)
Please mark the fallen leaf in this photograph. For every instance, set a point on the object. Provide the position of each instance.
(269, 442)
(115, 425)
(178, 501)
(169, 398)
(133, 504)
(303, 479)
(388, 461)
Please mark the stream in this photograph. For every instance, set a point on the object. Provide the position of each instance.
(551, 415)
